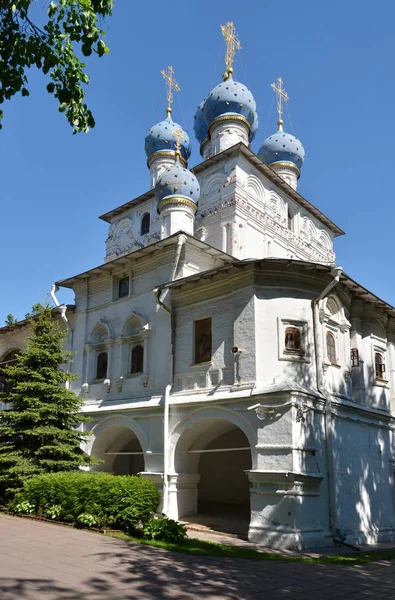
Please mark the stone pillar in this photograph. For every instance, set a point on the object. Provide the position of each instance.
(183, 495)
(284, 510)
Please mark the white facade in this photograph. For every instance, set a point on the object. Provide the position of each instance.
(229, 378)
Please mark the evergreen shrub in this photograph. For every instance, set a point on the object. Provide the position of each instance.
(117, 501)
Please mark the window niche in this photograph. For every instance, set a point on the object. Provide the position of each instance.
(101, 365)
(331, 348)
(292, 340)
(202, 341)
(137, 360)
(134, 347)
(145, 224)
(379, 365)
(121, 286)
(98, 354)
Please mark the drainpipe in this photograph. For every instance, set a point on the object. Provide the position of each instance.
(62, 309)
(181, 240)
(336, 273)
(166, 450)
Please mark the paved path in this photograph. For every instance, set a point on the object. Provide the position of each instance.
(40, 561)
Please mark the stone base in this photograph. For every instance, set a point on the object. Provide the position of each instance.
(289, 539)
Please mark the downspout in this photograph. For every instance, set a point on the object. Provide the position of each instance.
(181, 240)
(336, 272)
(63, 309)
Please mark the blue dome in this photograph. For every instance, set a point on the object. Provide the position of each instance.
(282, 147)
(160, 138)
(231, 98)
(200, 127)
(177, 182)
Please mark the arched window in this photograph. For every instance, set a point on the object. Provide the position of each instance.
(145, 223)
(293, 339)
(137, 362)
(379, 365)
(331, 348)
(9, 359)
(101, 365)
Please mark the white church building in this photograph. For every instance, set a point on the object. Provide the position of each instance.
(221, 351)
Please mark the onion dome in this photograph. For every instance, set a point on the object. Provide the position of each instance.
(282, 147)
(231, 98)
(200, 127)
(177, 184)
(160, 139)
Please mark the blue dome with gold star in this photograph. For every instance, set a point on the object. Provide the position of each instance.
(178, 183)
(160, 138)
(231, 98)
(282, 147)
(200, 127)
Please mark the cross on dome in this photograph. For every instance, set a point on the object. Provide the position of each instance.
(282, 96)
(232, 44)
(171, 85)
(179, 135)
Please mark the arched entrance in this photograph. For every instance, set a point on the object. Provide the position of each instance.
(210, 460)
(120, 449)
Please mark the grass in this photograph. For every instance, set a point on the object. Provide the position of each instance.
(198, 547)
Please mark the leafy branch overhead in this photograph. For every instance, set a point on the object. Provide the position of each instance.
(70, 27)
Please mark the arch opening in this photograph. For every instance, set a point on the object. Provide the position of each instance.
(215, 454)
(120, 450)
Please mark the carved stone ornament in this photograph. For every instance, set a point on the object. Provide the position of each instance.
(262, 412)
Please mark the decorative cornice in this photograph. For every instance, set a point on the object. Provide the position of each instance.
(286, 165)
(178, 201)
(165, 154)
(224, 118)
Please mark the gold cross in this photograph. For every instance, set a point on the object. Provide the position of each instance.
(232, 43)
(179, 135)
(171, 85)
(281, 96)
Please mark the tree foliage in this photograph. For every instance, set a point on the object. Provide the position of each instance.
(11, 320)
(71, 26)
(36, 309)
(38, 428)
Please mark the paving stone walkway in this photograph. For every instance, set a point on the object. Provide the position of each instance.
(41, 561)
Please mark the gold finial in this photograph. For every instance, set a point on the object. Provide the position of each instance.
(171, 85)
(281, 96)
(232, 44)
(179, 135)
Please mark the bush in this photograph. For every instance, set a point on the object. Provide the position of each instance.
(23, 508)
(124, 502)
(54, 512)
(86, 520)
(165, 530)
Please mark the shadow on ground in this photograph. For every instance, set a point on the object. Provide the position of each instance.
(127, 572)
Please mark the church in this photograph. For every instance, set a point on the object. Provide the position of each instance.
(221, 351)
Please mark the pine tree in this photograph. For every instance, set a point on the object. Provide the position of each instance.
(38, 430)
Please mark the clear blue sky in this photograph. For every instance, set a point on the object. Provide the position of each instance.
(337, 62)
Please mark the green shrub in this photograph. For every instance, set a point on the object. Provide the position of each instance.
(54, 512)
(23, 508)
(166, 530)
(86, 520)
(121, 502)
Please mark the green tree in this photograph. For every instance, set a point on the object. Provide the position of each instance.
(36, 309)
(11, 320)
(38, 429)
(70, 26)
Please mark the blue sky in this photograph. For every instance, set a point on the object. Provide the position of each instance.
(337, 62)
